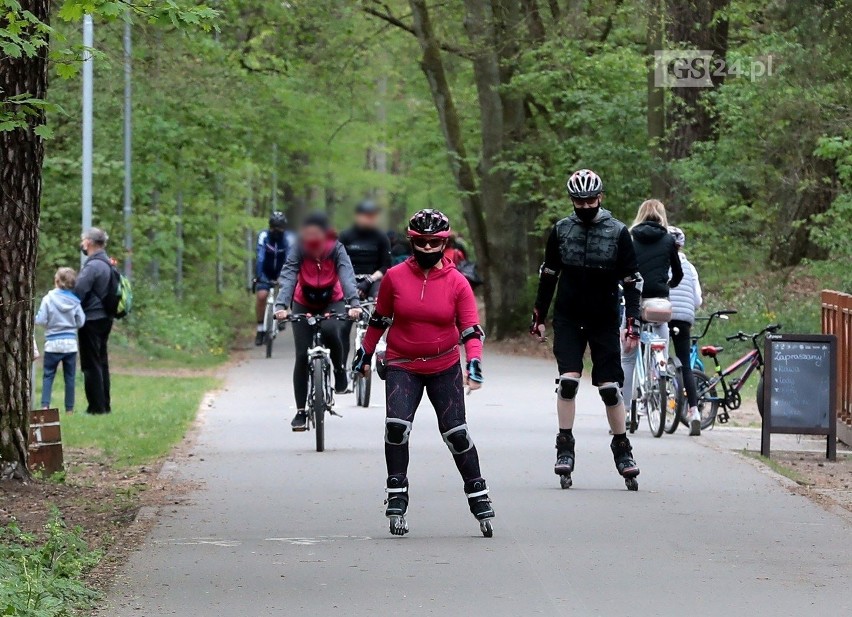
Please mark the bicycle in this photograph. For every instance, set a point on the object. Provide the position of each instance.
(654, 389)
(271, 326)
(361, 383)
(320, 369)
(732, 399)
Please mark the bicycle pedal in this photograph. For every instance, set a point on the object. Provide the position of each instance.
(723, 419)
(331, 412)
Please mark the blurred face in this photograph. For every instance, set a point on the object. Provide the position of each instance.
(367, 220)
(312, 238)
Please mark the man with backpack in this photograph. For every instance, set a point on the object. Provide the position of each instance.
(98, 287)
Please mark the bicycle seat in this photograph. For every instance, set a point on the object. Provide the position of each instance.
(711, 351)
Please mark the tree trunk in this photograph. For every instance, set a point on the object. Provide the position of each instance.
(433, 67)
(656, 103)
(20, 195)
(490, 28)
(690, 118)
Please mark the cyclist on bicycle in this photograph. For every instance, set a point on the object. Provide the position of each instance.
(369, 250)
(588, 255)
(656, 255)
(317, 278)
(273, 245)
(429, 310)
(686, 299)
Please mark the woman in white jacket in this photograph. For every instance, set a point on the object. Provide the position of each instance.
(685, 299)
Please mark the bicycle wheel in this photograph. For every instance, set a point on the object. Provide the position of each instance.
(318, 401)
(760, 396)
(657, 404)
(269, 325)
(674, 399)
(708, 403)
(363, 385)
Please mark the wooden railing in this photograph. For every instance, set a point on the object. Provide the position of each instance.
(837, 320)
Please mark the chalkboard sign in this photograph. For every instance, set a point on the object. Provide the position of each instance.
(799, 389)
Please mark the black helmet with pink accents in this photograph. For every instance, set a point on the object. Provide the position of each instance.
(429, 222)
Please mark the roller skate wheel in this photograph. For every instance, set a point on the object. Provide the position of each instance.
(398, 525)
(632, 484)
(486, 528)
(565, 481)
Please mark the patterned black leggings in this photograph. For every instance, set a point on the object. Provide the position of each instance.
(446, 393)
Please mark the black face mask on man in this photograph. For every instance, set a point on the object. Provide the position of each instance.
(427, 260)
(84, 250)
(587, 215)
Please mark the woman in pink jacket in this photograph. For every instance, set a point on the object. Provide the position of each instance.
(429, 311)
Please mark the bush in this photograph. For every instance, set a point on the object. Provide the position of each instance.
(41, 577)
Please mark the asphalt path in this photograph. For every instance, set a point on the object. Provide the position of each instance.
(275, 528)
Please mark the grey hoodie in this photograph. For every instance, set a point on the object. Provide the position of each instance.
(61, 314)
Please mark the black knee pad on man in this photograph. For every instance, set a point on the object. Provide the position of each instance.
(610, 394)
(568, 387)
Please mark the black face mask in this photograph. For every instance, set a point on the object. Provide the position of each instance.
(83, 250)
(427, 260)
(276, 235)
(587, 215)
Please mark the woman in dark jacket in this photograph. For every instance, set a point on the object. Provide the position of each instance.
(317, 278)
(659, 265)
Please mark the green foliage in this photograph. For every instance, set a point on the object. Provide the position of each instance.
(40, 575)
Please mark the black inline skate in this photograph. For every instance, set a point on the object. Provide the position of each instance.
(397, 506)
(564, 466)
(480, 506)
(622, 453)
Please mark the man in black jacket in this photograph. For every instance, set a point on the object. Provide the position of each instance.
(92, 287)
(369, 249)
(589, 255)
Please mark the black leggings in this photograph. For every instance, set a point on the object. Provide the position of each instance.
(683, 346)
(446, 393)
(332, 337)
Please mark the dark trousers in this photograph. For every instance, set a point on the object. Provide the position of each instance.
(683, 346)
(445, 390)
(94, 361)
(332, 337)
(69, 369)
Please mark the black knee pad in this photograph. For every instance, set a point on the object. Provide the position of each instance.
(458, 439)
(568, 387)
(610, 394)
(397, 431)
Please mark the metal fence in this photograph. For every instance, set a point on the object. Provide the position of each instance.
(837, 320)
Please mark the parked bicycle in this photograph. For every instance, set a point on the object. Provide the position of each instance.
(654, 388)
(731, 379)
(320, 375)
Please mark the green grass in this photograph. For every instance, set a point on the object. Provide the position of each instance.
(150, 416)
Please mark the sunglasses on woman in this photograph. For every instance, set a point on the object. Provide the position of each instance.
(426, 242)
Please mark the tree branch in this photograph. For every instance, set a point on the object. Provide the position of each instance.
(398, 23)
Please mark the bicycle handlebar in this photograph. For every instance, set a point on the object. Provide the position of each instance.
(743, 336)
(710, 318)
(317, 318)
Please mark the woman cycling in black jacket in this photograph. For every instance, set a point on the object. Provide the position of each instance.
(659, 265)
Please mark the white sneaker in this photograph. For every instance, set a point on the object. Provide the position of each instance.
(694, 423)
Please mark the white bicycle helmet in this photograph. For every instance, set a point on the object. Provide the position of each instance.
(584, 184)
(678, 235)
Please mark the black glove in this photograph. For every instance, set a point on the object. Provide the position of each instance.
(361, 361)
(254, 285)
(364, 285)
(536, 321)
(634, 328)
(474, 370)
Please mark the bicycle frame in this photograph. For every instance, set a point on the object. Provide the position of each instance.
(651, 363)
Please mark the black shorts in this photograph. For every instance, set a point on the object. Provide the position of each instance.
(570, 339)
